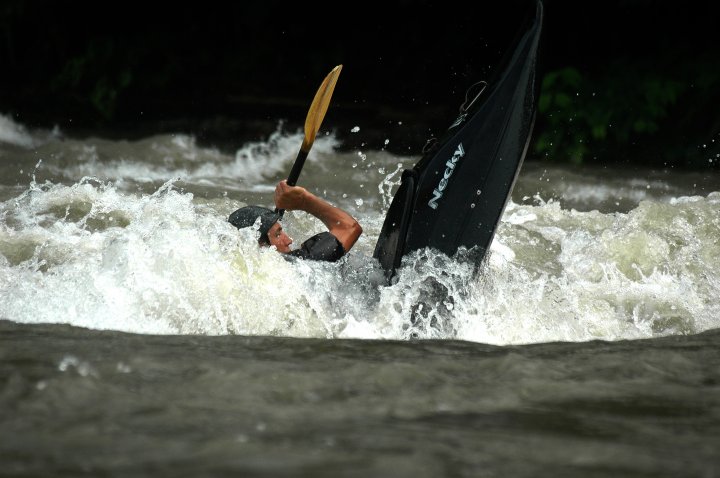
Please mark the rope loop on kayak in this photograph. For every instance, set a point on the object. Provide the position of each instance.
(465, 106)
(429, 144)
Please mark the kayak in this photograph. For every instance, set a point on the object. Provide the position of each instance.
(454, 197)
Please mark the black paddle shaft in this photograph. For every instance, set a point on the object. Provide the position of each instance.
(297, 167)
(295, 173)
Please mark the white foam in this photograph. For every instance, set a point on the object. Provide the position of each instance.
(17, 134)
(94, 254)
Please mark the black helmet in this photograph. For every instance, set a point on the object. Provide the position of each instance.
(246, 217)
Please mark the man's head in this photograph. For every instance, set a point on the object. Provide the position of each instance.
(271, 232)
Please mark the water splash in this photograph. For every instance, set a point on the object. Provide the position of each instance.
(16, 134)
(83, 244)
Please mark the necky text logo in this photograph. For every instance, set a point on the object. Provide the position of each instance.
(449, 170)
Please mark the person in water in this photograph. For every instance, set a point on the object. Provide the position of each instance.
(343, 230)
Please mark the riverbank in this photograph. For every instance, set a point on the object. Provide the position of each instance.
(645, 94)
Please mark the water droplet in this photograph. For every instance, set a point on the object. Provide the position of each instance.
(344, 195)
(472, 206)
(359, 202)
(355, 129)
(479, 192)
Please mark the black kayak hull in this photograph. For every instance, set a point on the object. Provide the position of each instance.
(454, 197)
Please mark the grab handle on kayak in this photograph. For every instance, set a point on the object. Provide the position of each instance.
(466, 106)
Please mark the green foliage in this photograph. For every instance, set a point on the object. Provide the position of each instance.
(98, 76)
(582, 115)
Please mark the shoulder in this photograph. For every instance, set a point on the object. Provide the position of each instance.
(320, 247)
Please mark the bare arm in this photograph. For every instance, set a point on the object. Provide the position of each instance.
(340, 224)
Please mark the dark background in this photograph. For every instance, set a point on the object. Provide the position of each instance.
(623, 80)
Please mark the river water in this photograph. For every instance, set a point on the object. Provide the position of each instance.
(143, 335)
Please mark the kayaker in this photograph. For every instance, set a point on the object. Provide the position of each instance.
(343, 229)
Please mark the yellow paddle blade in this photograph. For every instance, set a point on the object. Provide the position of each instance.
(319, 107)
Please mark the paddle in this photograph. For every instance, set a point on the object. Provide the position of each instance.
(314, 118)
